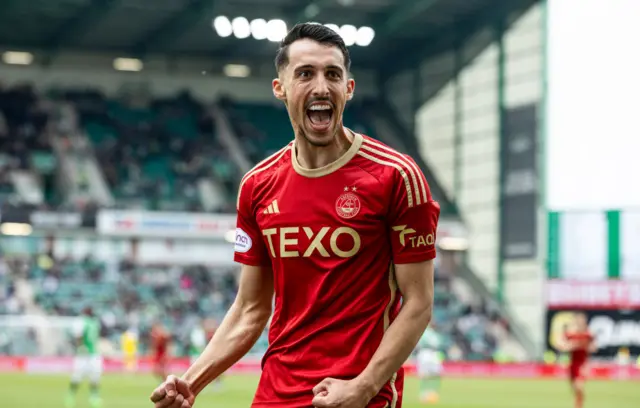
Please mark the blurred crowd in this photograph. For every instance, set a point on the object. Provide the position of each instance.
(23, 119)
(123, 295)
(9, 302)
(152, 152)
(24, 141)
(156, 148)
(130, 296)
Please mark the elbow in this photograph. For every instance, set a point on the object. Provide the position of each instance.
(421, 312)
(426, 315)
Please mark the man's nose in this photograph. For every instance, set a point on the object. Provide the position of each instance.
(321, 87)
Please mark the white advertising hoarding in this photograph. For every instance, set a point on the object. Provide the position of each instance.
(166, 224)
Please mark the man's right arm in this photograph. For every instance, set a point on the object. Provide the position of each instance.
(240, 329)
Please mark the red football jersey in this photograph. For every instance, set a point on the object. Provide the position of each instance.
(332, 236)
(580, 347)
(160, 341)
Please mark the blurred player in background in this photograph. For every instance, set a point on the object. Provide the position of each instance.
(201, 335)
(129, 344)
(197, 342)
(88, 361)
(339, 227)
(580, 343)
(429, 365)
(624, 360)
(160, 342)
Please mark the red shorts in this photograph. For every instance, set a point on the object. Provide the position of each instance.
(375, 403)
(577, 372)
(383, 404)
(380, 401)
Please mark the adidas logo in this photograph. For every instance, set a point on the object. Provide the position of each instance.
(272, 208)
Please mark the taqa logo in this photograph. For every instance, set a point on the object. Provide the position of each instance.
(243, 241)
(407, 237)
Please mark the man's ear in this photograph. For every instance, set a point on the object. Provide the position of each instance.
(278, 89)
(351, 87)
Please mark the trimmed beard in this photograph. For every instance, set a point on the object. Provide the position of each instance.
(311, 142)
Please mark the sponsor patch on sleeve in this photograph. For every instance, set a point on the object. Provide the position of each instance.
(243, 241)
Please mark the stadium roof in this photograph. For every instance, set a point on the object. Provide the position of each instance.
(137, 28)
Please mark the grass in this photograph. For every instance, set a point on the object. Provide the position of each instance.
(122, 391)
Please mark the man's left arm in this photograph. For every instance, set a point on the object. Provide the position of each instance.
(415, 281)
(413, 219)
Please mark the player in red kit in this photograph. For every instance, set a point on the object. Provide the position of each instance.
(580, 344)
(341, 228)
(160, 340)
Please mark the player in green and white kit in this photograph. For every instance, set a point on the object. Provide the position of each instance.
(88, 361)
(197, 342)
(429, 365)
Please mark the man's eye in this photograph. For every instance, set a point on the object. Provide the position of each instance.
(333, 74)
(304, 74)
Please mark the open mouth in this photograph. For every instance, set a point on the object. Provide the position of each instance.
(320, 115)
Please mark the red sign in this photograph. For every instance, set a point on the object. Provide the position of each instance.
(563, 294)
(252, 366)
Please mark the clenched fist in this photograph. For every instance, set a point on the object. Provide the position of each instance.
(173, 393)
(332, 393)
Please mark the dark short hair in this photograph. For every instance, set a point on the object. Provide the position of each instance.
(313, 31)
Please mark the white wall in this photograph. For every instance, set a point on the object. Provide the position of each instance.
(465, 155)
(435, 123)
(524, 280)
(478, 198)
(160, 77)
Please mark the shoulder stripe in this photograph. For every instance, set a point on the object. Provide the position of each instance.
(407, 184)
(400, 162)
(423, 187)
(260, 167)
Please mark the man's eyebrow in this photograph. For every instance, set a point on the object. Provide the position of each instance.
(309, 66)
(336, 67)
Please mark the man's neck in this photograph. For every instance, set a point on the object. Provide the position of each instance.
(315, 157)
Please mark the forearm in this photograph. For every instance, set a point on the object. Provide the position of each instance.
(238, 332)
(397, 344)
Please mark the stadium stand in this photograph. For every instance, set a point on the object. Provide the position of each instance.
(152, 153)
(24, 144)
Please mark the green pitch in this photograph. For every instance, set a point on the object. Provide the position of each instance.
(31, 391)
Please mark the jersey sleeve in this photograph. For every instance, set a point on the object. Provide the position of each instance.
(413, 216)
(249, 246)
